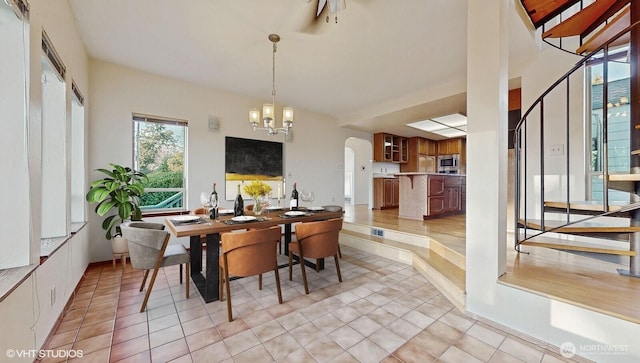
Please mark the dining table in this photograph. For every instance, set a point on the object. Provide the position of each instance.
(197, 226)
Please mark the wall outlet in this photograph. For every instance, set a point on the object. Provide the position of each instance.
(556, 150)
(377, 232)
(53, 295)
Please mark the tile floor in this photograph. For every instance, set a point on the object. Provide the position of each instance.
(383, 311)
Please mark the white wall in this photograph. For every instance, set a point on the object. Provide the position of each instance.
(314, 159)
(363, 184)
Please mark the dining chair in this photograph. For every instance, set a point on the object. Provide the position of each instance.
(200, 210)
(248, 253)
(149, 249)
(315, 240)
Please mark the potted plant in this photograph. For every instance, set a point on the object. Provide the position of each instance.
(119, 190)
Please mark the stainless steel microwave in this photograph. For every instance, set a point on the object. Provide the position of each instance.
(448, 163)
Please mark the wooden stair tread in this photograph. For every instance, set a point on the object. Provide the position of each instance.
(624, 177)
(581, 227)
(579, 22)
(616, 25)
(540, 11)
(577, 246)
(586, 205)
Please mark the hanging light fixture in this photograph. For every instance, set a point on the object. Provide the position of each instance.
(268, 118)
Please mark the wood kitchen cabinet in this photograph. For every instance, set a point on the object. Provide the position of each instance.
(450, 146)
(444, 195)
(386, 193)
(421, 156)
(390, 148)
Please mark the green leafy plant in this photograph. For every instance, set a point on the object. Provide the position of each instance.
(119, 190)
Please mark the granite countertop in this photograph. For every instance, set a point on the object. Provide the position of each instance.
(381, 175)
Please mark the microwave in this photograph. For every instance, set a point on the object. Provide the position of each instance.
(448, 163)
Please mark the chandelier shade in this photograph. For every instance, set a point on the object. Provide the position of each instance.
(268, 109)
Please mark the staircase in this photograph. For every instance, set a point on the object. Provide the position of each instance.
(442, 266)
(549, 212)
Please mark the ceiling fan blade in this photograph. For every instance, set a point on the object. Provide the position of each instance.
(321, 5)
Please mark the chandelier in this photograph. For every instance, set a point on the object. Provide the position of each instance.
(268, 118)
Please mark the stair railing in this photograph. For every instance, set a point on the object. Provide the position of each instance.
(522, 163)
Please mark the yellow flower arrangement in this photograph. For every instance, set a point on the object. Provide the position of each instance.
(257, 189)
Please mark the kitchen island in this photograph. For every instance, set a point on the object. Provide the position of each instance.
(429, 195)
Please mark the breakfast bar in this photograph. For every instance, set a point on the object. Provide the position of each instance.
(430, 195)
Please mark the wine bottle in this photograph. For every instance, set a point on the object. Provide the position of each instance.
(214, 203)
(293, 204)
(238, 204)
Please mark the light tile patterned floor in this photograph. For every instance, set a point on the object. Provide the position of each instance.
(383, 312)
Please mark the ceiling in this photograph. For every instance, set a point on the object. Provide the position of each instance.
(384, 64)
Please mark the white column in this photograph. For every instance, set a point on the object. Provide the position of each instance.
(487, 100)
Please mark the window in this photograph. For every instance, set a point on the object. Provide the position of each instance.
(78, 180)
(618, 121)
(15, 228)
(159, 151)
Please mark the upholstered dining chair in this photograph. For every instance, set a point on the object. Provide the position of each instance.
(315, 240)
(149, 249)
(248, 253)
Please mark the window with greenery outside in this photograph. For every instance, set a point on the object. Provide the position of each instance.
(160, 154)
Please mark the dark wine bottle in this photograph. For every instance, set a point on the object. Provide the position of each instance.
(214, 203)
(238, 204)
(293, 204)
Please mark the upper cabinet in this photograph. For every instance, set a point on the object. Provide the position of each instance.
(450, 146)
(421, 156)
(390, 148)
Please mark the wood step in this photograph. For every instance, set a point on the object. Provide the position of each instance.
(580, 227)
(615, 26)
(585, 205)
(578, 247)
(578, 23)
(624, 182)
(541, 11)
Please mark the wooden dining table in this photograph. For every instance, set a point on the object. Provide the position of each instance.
(208, 283)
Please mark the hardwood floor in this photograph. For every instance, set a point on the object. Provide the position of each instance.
(572, 278)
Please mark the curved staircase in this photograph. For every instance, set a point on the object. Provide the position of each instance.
(606, 31)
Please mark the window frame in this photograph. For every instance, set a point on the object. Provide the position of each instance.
(138, 117)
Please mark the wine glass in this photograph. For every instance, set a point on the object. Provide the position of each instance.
(205, 201)
(307, 196)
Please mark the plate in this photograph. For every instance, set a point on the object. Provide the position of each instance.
(315, 208)
(225, 211)
(294, 213)
(186, 218)
(243, 218)
(273, 207)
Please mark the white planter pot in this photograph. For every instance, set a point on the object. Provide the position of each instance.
(119, 245)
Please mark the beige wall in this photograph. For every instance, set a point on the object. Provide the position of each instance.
(314, 159)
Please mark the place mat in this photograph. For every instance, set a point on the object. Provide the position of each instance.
(307, 214)
(195, 221)
(230, 221)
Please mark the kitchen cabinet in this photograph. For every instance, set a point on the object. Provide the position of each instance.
(386, 193)
(421, 156)
(390, 148)
(450, 146)
(445, 195)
